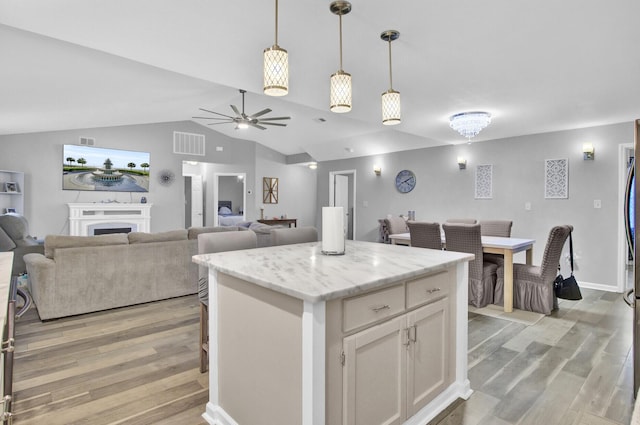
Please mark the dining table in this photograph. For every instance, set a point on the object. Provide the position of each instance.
(492, 245)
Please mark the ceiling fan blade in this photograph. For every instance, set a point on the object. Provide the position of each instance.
(272, 123)
(212, 118)
(257, 126)
(258, 114)
(217, 113)
(223, 122)
(235, 109)
(275, 118)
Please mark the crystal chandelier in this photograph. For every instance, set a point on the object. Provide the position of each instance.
(276, 67)
(340, 98)
(390, 98)
(469, 124)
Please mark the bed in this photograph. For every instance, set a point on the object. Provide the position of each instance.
(226, 217)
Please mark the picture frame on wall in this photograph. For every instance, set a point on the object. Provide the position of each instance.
(10, 210)
(11, 187)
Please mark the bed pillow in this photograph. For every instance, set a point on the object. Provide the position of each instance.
(224, 210)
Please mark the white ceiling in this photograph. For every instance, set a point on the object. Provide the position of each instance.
(536, 66)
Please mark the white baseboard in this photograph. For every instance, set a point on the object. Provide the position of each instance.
(598, 286)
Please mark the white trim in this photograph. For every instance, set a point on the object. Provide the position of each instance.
(622, 237)
(216, 415)
(313, 363)
(214, 390)
(331, 194)
(215, 194)
(600, 287)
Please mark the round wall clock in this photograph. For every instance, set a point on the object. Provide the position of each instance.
(405, 181)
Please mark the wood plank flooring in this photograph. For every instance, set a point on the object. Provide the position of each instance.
(139, 365)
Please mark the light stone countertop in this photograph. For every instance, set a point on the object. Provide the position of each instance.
(303, 272)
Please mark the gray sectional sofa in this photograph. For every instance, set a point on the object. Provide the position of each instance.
(82, 274)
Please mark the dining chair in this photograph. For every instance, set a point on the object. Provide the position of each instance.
(482, 275)
(501, 228)
(533, 285)
(286, 236)
(210, 243)
(462, 221)
(496, 228)
(425, 235)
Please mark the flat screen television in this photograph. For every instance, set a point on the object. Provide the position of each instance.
(100, 169)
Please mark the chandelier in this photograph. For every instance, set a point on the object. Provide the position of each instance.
(469, 124)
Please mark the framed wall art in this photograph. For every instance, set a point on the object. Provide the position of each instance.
(484, 181)
(556, 178)
(270, 190)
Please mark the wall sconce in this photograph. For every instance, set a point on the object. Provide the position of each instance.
(588, 151)
(462, 163)
(377, 170)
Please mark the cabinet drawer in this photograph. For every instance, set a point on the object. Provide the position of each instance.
(425, 289)
(365, 309)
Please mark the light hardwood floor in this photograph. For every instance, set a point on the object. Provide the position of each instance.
(139, 365)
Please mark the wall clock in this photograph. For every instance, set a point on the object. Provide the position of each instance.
(270, 190)
(405, 181)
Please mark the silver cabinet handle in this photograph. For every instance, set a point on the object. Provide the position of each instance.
(628, 298)
(380, 308)
(431, 291)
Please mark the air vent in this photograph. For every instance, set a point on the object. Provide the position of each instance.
(87, 141)
(188, 143)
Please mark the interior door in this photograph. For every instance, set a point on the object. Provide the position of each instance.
(341, 195)
(197, 198)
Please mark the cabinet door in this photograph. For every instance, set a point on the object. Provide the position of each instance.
(374, 386)
(428, 355)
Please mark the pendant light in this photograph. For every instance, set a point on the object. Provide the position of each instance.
(276, 67)
(390, 98)
(340, 101)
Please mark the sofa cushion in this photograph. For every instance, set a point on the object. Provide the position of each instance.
(53, 242)
(172, 235)
(195, 231)
(261, 228)
(6, 243)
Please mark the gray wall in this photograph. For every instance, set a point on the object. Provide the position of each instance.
(443, 191)
(39, 156)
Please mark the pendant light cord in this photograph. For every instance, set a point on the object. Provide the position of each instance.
(340, 16)
(276, 22)
(390, 68)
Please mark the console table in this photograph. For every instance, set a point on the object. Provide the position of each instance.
(280, 221)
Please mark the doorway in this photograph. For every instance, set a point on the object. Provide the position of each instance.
(229, 191)
(342, 193)
(626, 152)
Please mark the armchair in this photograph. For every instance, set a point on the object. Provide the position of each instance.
(14, 236)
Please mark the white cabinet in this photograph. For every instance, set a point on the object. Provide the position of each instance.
(395, 368)
(11, 191)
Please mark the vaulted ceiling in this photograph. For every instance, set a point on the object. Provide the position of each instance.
(535, 66)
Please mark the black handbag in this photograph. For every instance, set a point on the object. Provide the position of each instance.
(568, 288)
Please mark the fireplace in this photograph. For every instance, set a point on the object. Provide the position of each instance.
(101, 218)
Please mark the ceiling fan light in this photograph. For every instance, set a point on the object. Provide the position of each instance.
(340, 101)
(391, 114)
(276, 71)
(243, 124)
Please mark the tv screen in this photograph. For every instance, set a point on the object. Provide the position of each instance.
(111, 170)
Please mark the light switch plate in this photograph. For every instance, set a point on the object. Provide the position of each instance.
(597, 203)
(527, 206)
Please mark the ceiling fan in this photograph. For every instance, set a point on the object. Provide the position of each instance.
(242, 120)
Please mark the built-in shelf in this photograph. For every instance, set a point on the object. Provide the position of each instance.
(11, 191)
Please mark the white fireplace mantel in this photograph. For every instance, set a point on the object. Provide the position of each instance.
(86, 216)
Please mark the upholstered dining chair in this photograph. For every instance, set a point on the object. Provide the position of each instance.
(209, 243)
(501, 228)
(482, 275)
(533, 285)
(425, 235)
(462, 221)
(286, 236)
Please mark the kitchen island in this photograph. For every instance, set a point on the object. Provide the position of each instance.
(378, 335)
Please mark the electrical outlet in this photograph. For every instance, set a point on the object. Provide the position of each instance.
(527, 206)
(597, 203)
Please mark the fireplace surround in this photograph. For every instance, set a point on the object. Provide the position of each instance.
(86, 218)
